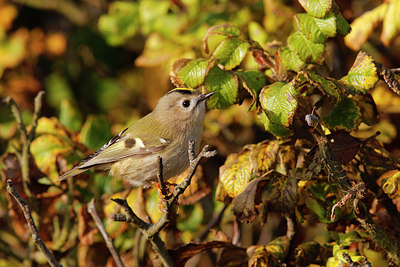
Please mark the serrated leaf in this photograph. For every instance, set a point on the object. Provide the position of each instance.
(239, 169)
(190, 72)
(224, 30)
(326, 86)
(363, 26)
(253, 81)
(362, 76)
(290, 59)
(316, 8)
(307, 50)
(231, 52)
(345, 115)
(121, 22)
(392, 186)
(279, 104)
(225, 86)
(391, 23)
(96, 131)
(271, 254)
(315, 29)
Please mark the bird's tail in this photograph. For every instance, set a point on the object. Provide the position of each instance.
(73, 172)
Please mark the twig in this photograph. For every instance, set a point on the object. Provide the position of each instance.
(110, 245)
(339, 176)
(356, 192)
(27, 138)
(151, 231)
(160, 177)
(31, 224)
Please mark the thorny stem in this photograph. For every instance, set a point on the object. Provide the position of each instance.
(339, 176)
(151, 231)
(110, 245)
(31, 224)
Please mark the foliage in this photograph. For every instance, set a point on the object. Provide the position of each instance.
(293, 117)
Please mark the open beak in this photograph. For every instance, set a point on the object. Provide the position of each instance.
(205, 96)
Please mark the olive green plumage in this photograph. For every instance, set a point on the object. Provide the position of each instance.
(165, 132)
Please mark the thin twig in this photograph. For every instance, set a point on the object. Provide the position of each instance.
(110, 245)
(336, 172)
(160, 177)
(169, 201)
(31, 224)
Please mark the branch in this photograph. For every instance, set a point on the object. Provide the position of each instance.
(110, 245)
(335, 171)
(169, 201)
(27, 138)
(31, 224)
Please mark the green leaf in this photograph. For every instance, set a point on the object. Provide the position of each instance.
(224, 30)
(253, 81)
(290, 59)
(225, 86)
(343, 27)
(190, 72)
(316, 207)
(345, 115)
(231, 52)
(279, 103)
(325, 85)
(96, 131)
(316, 8)
(121, 22)
(315, 29)
(70, 115)
(307, 50)
(362, 75)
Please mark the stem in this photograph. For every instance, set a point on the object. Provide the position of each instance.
(31, 224)
(109, 243)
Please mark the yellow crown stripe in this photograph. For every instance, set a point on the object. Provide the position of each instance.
(186, 91)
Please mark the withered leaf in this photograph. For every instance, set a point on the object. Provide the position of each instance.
(182, 254)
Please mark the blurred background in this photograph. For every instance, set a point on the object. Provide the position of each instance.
(103, 65)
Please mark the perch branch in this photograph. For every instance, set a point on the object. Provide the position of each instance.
(31, 224)
(110, 245)
(169, 201)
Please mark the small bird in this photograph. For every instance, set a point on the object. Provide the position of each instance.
(165, 132)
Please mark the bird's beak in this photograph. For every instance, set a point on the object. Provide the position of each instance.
(205, 96)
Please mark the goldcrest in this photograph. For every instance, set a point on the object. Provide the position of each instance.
(165, 132)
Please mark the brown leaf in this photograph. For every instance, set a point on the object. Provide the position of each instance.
(233, 257)
(344, 145)
(245, 205)
(182, 254)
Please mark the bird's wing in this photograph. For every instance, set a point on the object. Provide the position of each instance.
(121, 146)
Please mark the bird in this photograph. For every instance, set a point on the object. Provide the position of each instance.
(133, 154)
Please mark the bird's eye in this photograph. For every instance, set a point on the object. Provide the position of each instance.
(186, 103)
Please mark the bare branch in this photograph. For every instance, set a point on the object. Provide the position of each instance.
(110, 245)
(31, 224)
